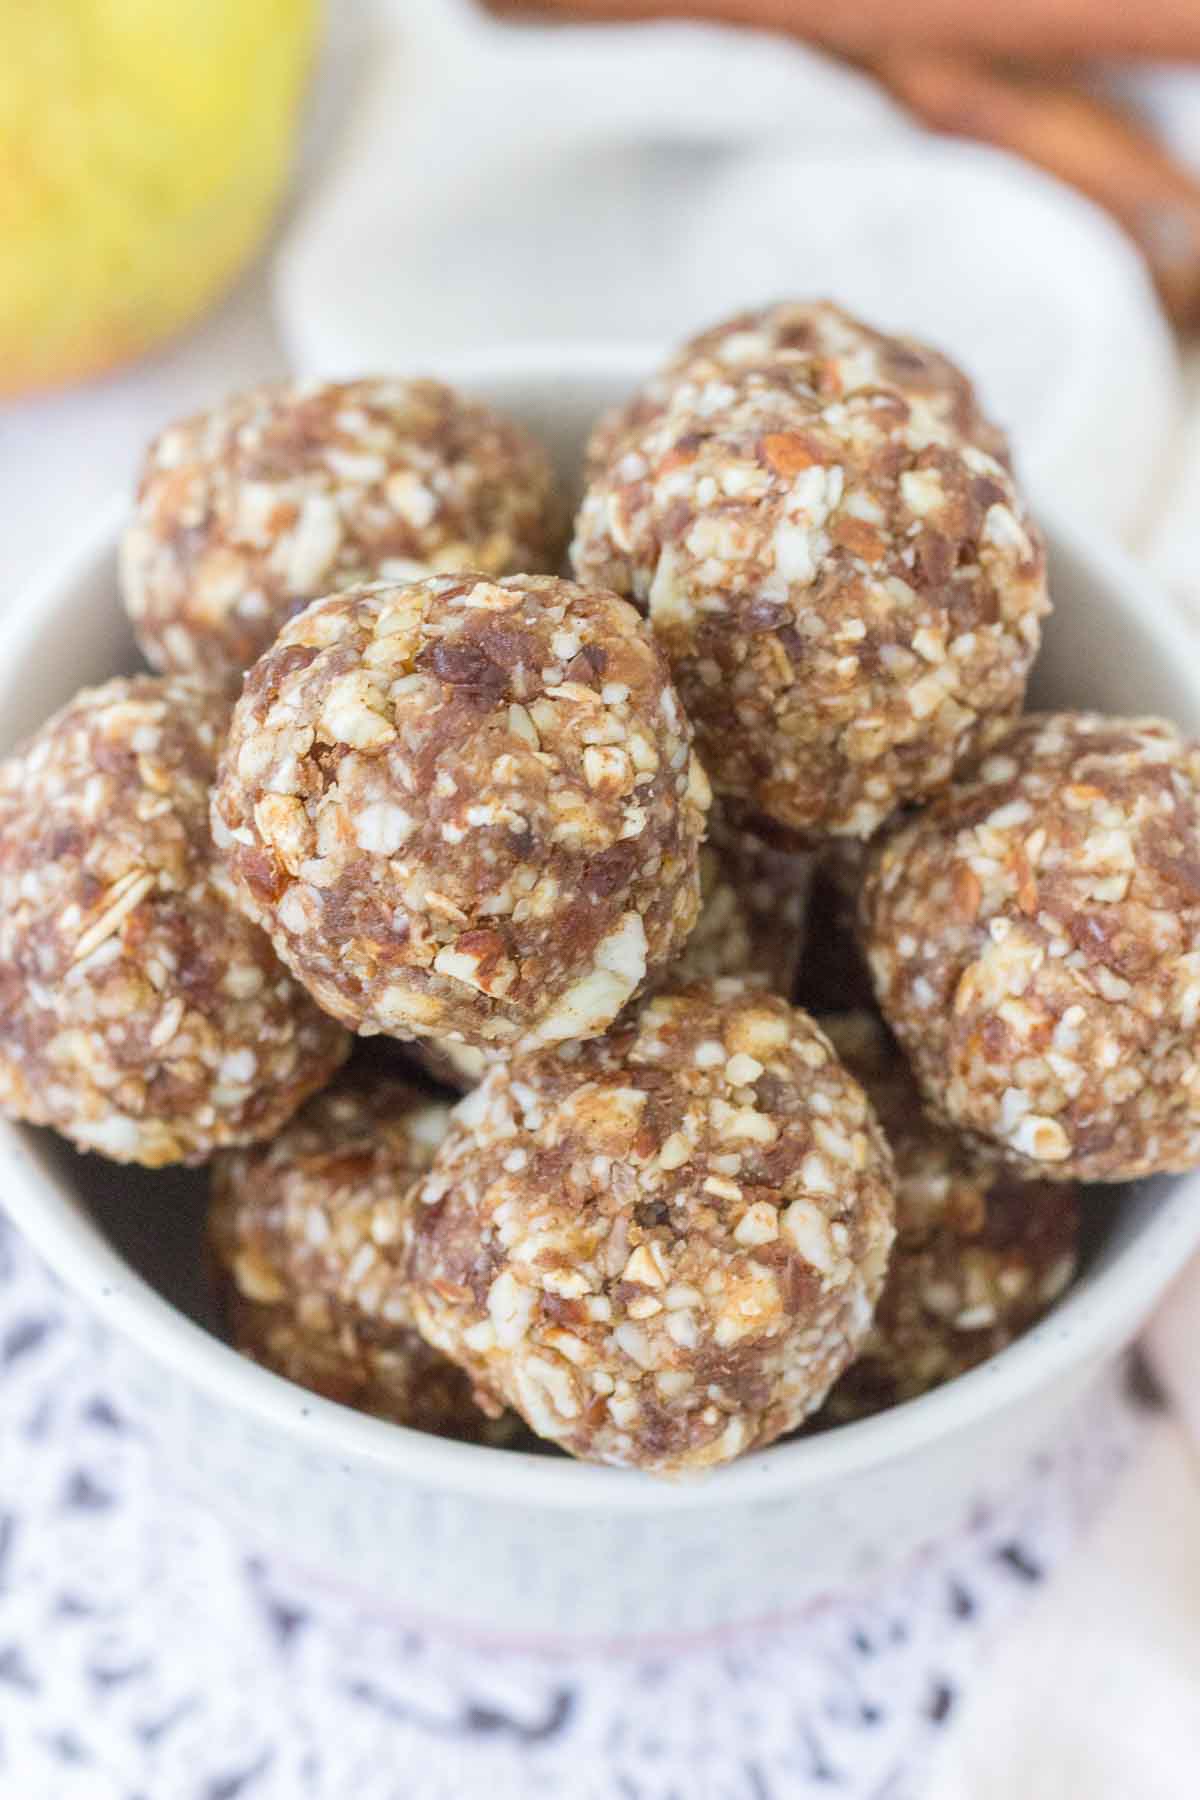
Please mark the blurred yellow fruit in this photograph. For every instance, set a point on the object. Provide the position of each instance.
(142, 146)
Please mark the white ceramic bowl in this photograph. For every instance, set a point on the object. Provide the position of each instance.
(536, 1547)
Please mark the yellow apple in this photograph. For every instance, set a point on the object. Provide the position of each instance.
(143, 144)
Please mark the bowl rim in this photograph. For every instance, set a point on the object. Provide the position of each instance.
(1095, 1318)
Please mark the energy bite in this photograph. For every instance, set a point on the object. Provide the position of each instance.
(140, 1013)
(847, 587)
(825, 347)
(466, 808)
(1034, 938)
(308, 1236)
(295, 489)
(979, 1255)
(662, 1246)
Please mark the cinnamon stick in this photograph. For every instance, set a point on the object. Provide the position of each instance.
(1034, 30)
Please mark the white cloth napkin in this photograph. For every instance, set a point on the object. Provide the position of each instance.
(501, 184)
(1095, 1695)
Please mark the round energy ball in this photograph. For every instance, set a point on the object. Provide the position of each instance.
(1034, 939)
(141, 1014)
(466, 808)
(293, 490)
(979, 1255)
(847, 589)
(308, 1236)
(662, 1246)
(826, 348)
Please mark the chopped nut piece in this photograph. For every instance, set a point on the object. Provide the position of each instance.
(759, 1224)
(643, 1267)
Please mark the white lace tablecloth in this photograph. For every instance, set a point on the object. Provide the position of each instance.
(146, 1654)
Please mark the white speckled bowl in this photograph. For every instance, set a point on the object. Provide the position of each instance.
(544, 1548)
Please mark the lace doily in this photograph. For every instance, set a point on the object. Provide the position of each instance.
(145, 1654)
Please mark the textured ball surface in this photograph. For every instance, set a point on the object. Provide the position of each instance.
(827, 348)
(293, 490)
(140, 1013)
(662, 1246)
(1034, 939)
(752, 923)
(846, 585)
(309, 1233)
(979, 1255)
(466, 808)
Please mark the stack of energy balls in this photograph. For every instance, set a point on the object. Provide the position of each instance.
(549, 843)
